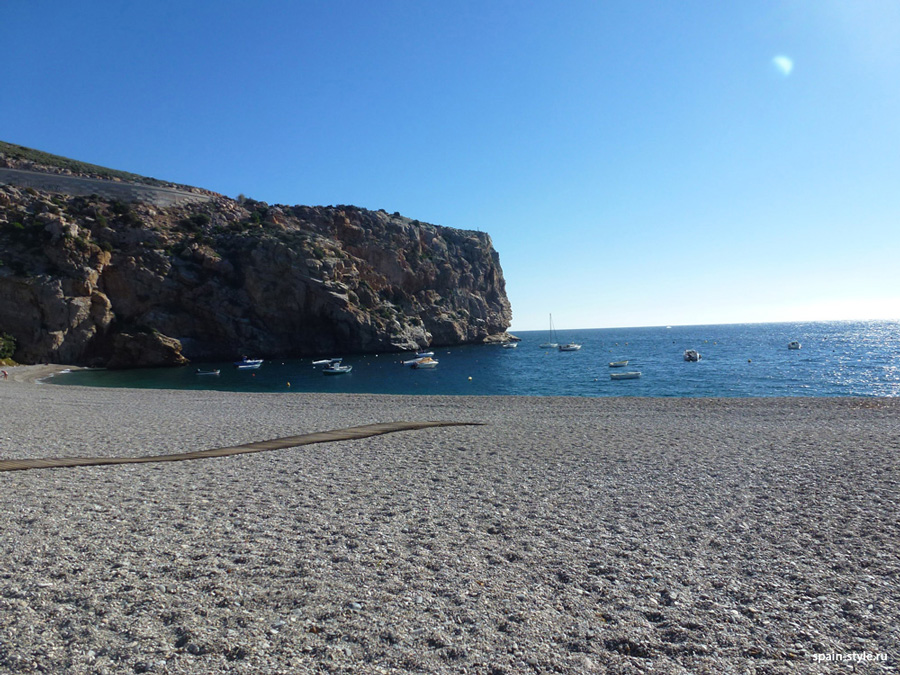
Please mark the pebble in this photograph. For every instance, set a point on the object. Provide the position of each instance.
(616, 547)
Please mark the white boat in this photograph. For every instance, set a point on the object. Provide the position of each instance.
(509, 345)
(692, 355)
(335, 367)
(551, 337)
(246, 363)
(794, 345)
(423, 363)
(207, 372)
(570, 347)
(422, 355)
(618, 364)
(633, 375)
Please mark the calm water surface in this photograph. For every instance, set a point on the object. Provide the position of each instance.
(739, 360)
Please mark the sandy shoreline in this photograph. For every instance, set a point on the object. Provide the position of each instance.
(565, 535)
(33, 374)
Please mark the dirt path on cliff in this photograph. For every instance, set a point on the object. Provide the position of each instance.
(79, 185)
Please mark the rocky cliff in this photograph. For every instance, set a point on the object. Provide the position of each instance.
(100, 279)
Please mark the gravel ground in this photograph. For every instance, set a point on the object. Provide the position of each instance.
(566, 535)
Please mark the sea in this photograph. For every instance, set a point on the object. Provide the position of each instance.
(840, 358)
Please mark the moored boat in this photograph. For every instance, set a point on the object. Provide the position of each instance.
(335, 367)
(570, 347)
(207, 372)
(618, 364)
(632, 375)
(551, 342)
(692, 355)
(423, 363)
(246, 363)
(793, 345)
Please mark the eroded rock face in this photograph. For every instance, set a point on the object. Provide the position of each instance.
(86, 280)
(146, 349)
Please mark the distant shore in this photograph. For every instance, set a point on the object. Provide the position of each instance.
(569, 535)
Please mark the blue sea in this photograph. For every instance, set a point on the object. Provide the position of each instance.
(844, 358)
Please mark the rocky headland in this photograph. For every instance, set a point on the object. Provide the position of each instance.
(99, 267)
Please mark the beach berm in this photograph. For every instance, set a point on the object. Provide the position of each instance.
(572, 535)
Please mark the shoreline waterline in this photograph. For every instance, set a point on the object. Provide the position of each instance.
(37, 373)
(835, 359)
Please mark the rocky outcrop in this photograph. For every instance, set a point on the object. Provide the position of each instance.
(90, 280)
(146, 349)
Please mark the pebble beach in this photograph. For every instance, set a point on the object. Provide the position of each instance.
(560, 535)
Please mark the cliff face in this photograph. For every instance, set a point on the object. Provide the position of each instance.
(94, 280)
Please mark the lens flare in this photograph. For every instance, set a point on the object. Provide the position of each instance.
(783, 64)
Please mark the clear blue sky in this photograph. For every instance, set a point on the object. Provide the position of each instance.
(636, 163)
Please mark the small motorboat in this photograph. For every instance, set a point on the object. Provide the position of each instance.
(509, 345)
(793, 345)
(633, 375)
(618, 364)
(208, 372)
(692, 355)
(335, 367)
(246, 363)
(422, 355)
(423, 363)
(570, 347)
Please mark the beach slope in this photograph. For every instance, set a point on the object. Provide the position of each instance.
(568, 535)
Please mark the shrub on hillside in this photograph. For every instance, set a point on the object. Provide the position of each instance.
(7, 345)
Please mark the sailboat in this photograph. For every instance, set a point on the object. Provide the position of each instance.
(551, 339)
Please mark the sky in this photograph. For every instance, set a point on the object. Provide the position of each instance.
(637, 163)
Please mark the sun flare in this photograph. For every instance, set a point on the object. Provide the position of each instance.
(783, 64)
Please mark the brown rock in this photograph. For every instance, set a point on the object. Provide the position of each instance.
(132, 350)
(90, 280)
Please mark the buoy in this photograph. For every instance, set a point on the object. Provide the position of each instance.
(749, 361)
(289, 384)
(470, 377)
